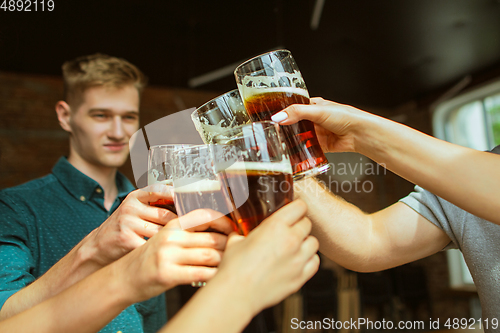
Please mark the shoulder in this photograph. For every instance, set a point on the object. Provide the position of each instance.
(29, 187)
(14, 198)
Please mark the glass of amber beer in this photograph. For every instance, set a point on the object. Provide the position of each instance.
(160, 170)
(269, 83)
(256, 172)
(223, 112)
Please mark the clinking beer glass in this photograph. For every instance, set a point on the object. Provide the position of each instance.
(160, 170)
(269, 83)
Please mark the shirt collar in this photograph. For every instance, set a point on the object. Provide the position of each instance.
(82, 186)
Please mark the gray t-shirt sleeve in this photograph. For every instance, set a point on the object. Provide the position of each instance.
(434, 209)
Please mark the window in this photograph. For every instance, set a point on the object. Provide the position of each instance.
(472, 120)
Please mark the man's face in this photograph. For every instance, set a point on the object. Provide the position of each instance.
(103, 123)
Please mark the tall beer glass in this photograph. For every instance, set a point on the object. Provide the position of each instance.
(256, 172)
(223, 112)
(269, 83)
(160, 170)
(196, 185)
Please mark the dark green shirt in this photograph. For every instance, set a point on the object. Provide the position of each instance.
(42, 220)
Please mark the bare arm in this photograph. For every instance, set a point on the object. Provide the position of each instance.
(465, 177)
(118, 235)
(258, 271)
(368, 242)
(171, 257)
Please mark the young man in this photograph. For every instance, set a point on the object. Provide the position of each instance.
(455, 205)
(61, 215)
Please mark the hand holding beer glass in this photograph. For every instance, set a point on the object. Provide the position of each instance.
(256, 172)
(269, 83)
(160, 170)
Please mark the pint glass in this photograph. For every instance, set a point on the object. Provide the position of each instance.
(269, 83)
(196, 185)
(256, 172)
(160, 170)
(223, 112)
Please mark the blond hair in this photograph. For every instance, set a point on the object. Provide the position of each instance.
(98, 70)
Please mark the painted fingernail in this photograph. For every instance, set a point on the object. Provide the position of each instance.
(279, 117)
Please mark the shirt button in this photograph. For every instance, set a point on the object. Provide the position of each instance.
(98, 190)
(82, 198)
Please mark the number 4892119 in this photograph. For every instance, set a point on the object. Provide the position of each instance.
(27, 5)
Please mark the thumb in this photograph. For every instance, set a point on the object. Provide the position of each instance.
(234, 238)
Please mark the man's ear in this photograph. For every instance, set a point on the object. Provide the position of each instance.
(63, 114)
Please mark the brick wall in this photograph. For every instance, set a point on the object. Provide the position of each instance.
(31, 140)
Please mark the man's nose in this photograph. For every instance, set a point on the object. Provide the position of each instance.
(116, 130)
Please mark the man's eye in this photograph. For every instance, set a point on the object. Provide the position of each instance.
(99, 115)
(130, 118)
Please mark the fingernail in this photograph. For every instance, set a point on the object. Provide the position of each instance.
(279, 117)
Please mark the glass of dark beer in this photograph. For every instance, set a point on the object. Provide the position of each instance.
(196, 185)
(160, 170)
(223, 112)
(256, 172)
(269, 83)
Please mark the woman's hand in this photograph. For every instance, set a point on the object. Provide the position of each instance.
(337, 125)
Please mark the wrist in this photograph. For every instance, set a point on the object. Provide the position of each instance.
(236, 294)
(369, 138)
(86, 260)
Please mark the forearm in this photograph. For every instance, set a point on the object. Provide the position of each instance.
(73, 267)
(463, 176)
(217, 307)
(344, 232)
(85, 307)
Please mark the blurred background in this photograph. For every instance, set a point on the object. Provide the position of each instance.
(431, 64)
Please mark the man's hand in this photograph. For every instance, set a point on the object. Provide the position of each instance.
(174, 256)
(274, 260)
(127, 228)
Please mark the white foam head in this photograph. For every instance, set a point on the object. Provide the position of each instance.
(283, 167)
(256, 85)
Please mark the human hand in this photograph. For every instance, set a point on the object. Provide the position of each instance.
(337, 125)
(128, 226)
(175, 256)
(274, 260)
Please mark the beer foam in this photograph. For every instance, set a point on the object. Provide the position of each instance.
(283, 167)
(202, 185)
(208, 131)
(281, 81)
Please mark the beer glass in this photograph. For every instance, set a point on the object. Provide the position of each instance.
(196, 185)
(269, 83)
(256, 172)
(160, 170)
(222, 112)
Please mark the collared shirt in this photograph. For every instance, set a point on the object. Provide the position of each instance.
(42, 220)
